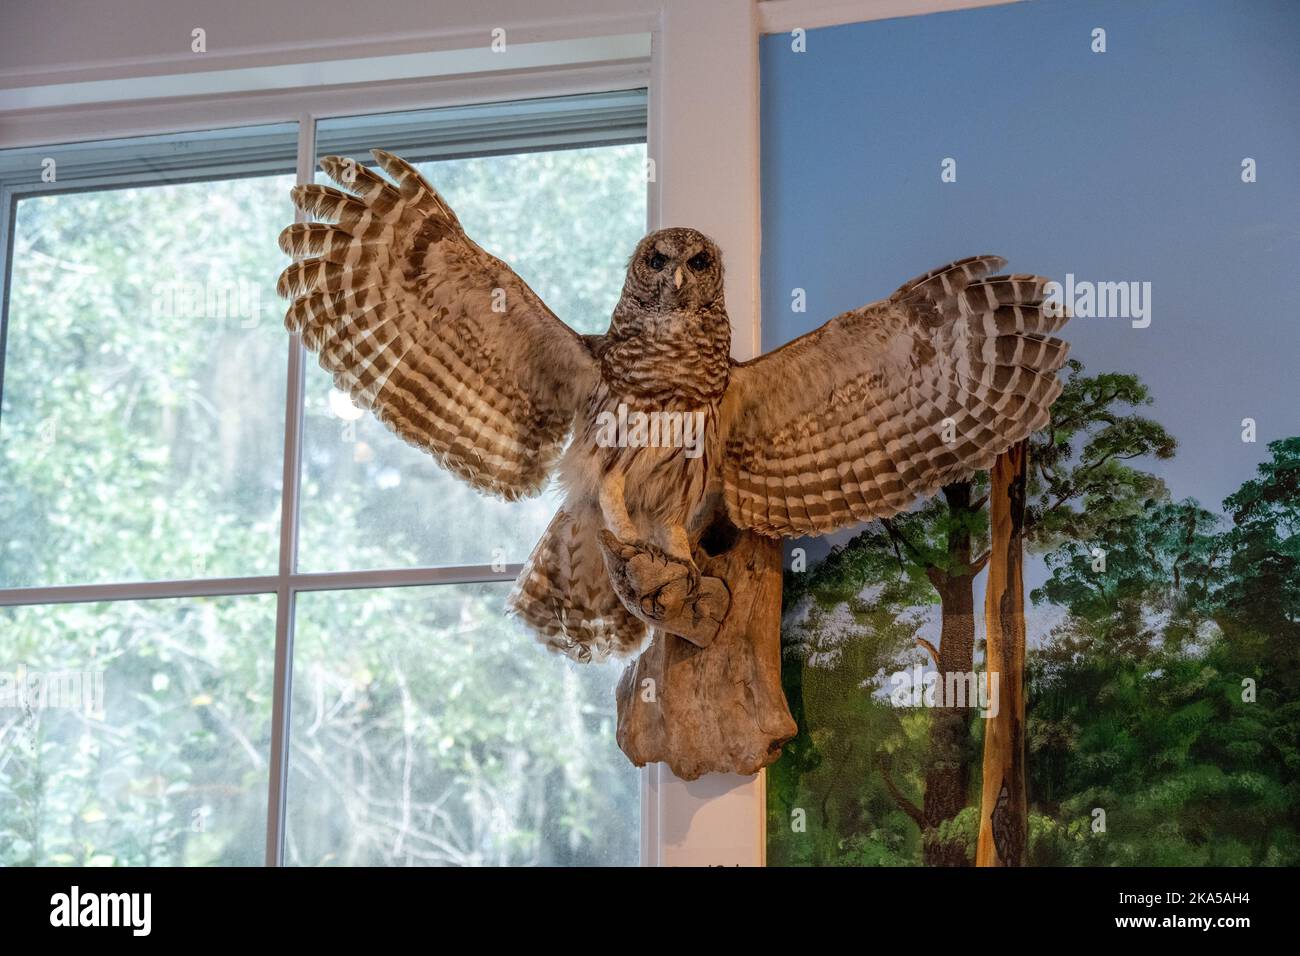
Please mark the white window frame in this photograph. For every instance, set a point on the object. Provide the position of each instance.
(667, 48)
(288, 581)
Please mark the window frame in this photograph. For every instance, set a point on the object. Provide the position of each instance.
(701, 70)
(287, 581)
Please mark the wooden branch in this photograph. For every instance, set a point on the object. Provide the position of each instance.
(930, 649)
(1073, 488)
(904, 804)
(898, 555)
(898, 536)
(720, 708)
(1004, 815)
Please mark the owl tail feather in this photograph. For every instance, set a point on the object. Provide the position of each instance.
(564, 596)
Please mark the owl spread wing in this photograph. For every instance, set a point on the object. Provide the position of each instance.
(444, 342)
(890, 402)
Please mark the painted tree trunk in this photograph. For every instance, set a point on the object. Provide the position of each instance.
(1004, 815)
(715, 709)
(947, 773)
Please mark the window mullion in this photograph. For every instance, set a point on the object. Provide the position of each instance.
(7, 204)
(138, 590)
(285, 597)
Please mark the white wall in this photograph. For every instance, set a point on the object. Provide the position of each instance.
(46, 41)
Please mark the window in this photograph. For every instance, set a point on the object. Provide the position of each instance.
(169, 586)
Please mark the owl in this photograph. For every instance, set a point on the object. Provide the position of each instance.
(652, 429)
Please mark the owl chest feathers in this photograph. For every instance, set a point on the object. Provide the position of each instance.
(667, 357)
(653, 417)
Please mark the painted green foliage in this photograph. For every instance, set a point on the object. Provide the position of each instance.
(1162, 671)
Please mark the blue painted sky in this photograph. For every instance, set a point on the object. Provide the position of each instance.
(1123, 165)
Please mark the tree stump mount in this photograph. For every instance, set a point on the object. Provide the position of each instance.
(720, 708)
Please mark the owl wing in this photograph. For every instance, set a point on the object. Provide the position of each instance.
(890, 402)
(441, 340)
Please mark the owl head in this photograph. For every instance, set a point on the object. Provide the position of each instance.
(675, 270)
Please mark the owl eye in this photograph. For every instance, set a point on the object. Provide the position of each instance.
(699, 262)
(657, 261)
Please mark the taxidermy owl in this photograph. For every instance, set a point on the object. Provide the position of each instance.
(652, 429)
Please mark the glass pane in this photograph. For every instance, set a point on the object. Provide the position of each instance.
(428, 730)
(136, 733)
(142, 424)
(566, 220)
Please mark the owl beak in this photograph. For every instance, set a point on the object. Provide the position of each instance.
(677, 278)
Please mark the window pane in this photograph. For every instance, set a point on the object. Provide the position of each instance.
(135, 733)
(427, 729)
(566, 220)
(142, 424)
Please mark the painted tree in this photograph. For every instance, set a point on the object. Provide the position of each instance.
(1262, 593)
(933, 550)
(848, 619)
(1160, 721)
(1077, 484)
(940, 541)
(1076, 461)
(1070, 483)
(1147, 746)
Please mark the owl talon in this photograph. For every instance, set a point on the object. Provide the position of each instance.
(665, 592)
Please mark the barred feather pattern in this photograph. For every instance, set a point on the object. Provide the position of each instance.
(564, 597)
(888, 403)
(456, 354)
(442, 341)
(667, 352)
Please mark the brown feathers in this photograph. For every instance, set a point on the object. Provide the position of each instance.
(457, 355)
(564, 596)
(445, 343)
(888, 403)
